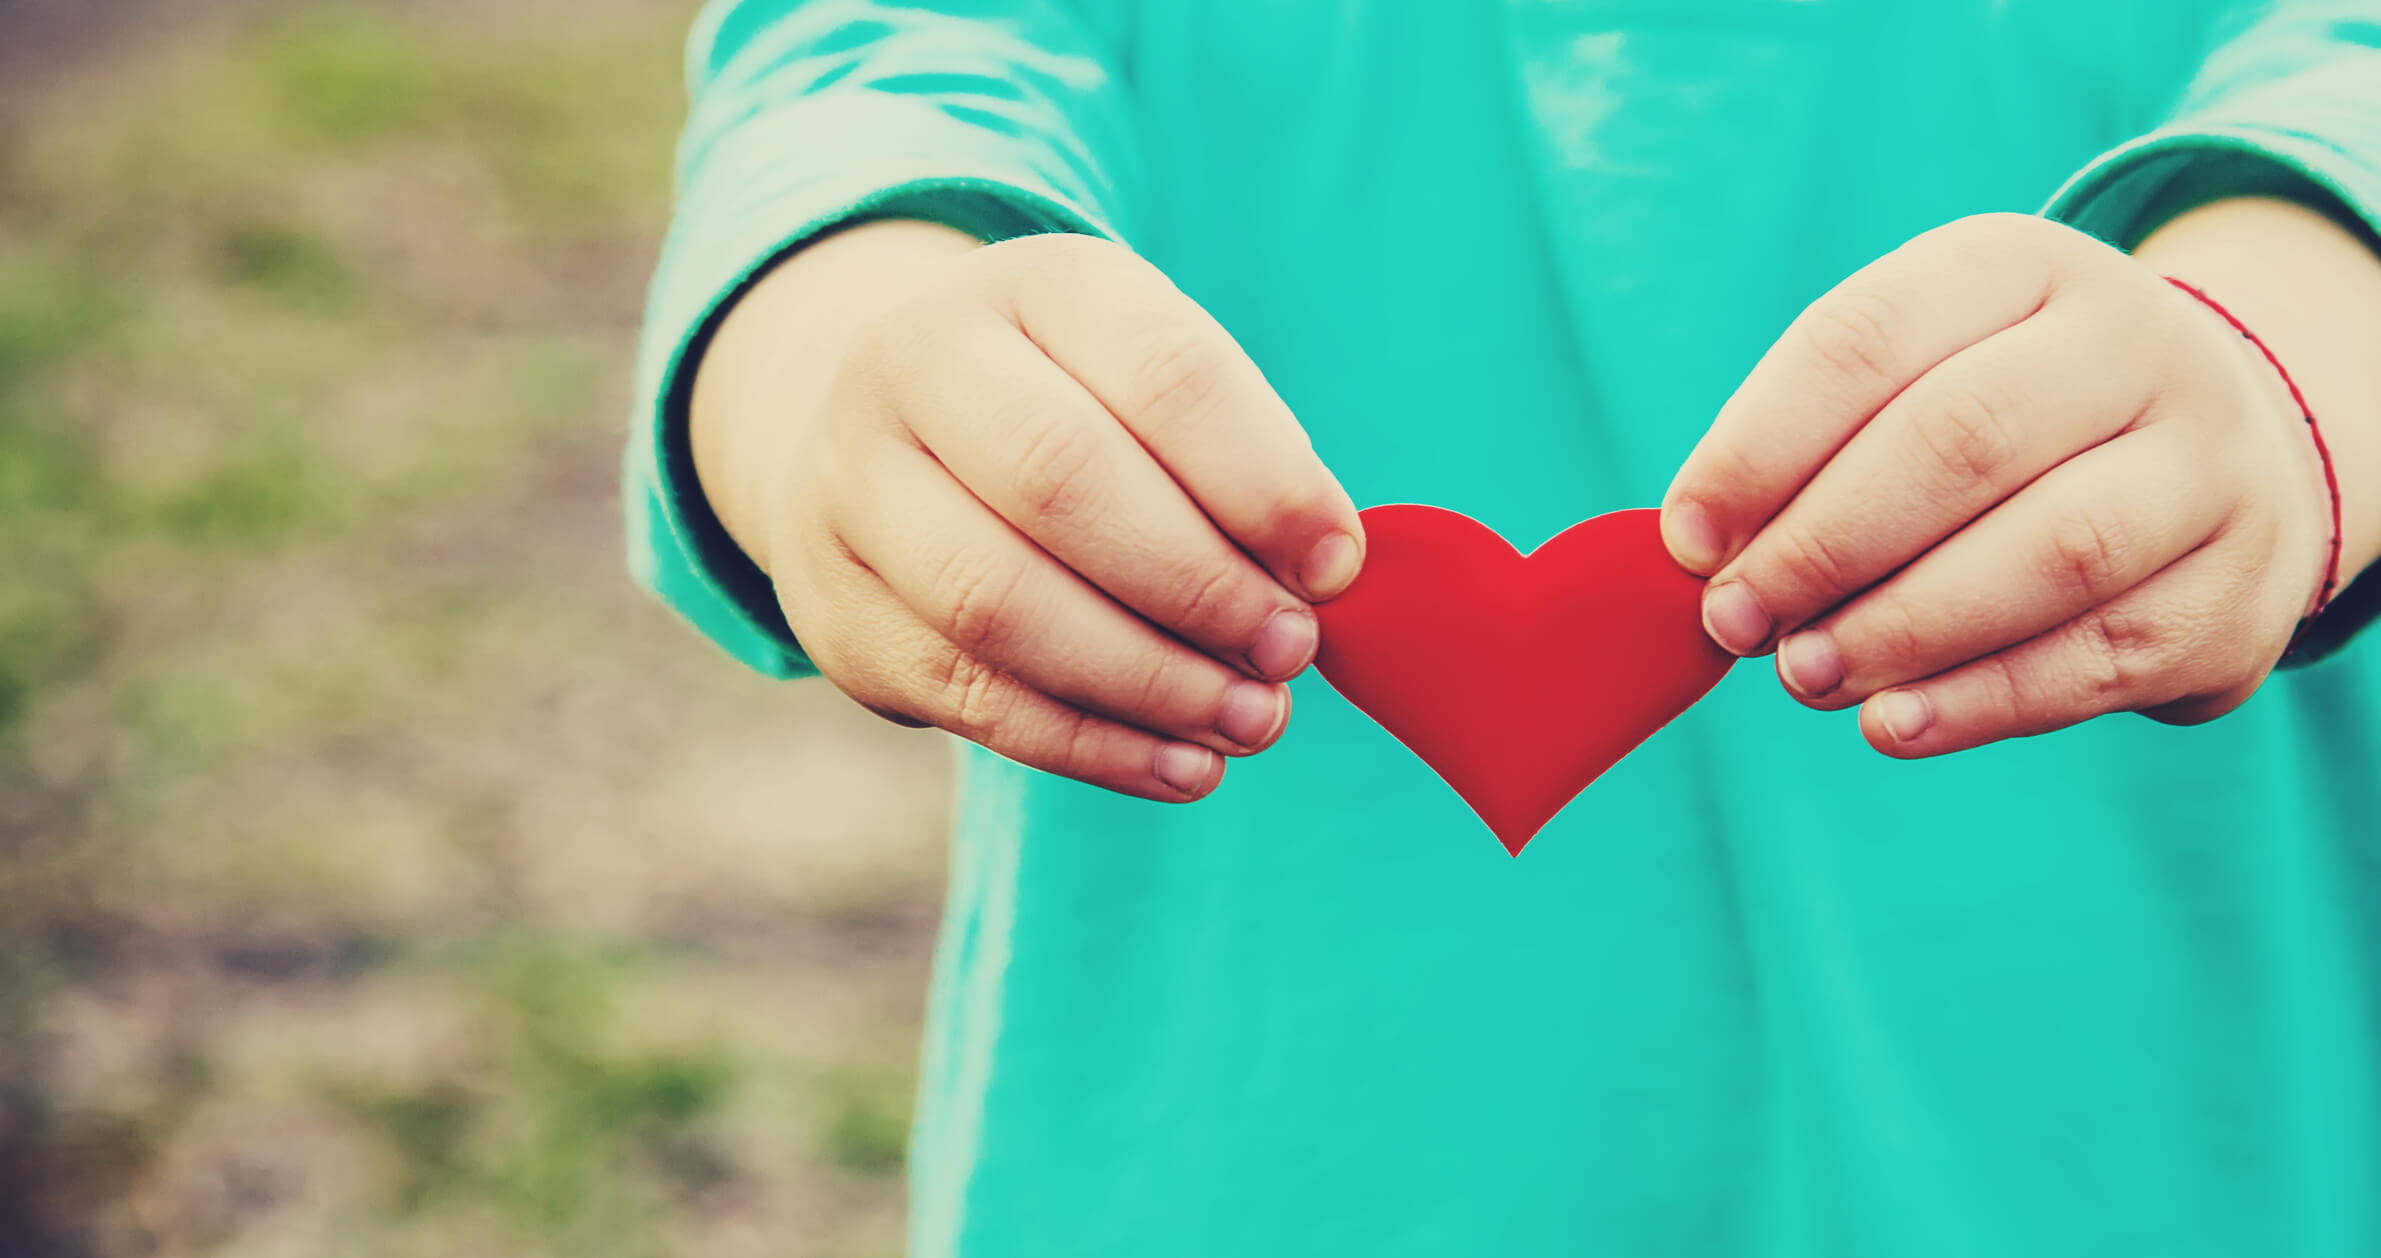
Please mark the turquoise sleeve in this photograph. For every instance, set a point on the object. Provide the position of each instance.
(2289, 107)
(997, 119)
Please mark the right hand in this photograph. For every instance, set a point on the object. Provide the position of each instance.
(1029, 493)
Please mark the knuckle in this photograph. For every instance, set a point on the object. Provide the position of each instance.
(1058, 476)
(1213, 605)
(1850, 333)
(981, 596)
(2120, 656)
(2106, 660)
(972, 697)
(1732, 469)
(1166, 688)
(1079, 744)
(1969, 436)
(2007, 690)
(1810, 562)
(2087, 555)
(1888, 637)
(1178, 379)
(2159, 648)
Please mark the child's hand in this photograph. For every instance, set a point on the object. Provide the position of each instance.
(2001, 481)
(1027, 492)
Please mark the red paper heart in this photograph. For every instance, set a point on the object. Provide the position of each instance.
(1519, 679)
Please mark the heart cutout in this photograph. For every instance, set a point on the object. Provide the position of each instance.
(1519, 679)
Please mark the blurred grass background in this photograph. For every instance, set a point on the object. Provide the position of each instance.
(380, 874)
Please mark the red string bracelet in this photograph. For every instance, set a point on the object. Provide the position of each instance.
(2331, 475)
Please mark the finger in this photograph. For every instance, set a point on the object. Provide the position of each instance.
(1027, 440)
(980, 584)
(892, 662)
(2171, 644)
(1968, 434)
(1846, 356)
(1188, 393)
(2082, 535)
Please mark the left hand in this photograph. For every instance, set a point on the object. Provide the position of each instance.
(2001, 481)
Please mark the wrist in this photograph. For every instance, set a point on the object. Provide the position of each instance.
(763, 384)
(2314, 503)
(2311, 289)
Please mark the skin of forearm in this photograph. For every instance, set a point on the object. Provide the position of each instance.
(764, 381)
(2311, 289)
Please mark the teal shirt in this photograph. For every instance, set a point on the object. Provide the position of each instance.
(1760, 991)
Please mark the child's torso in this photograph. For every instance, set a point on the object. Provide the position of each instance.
(1760, 990)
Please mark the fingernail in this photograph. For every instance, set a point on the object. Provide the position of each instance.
(1329, 567)
(1284, 645)
(1810, 663)
(1694, 537)
(1733, 617)
(1183, 767)
(1905, 714)
(1251, 712)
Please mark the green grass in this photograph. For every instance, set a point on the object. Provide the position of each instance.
(549, 1133)
(868, 1134)
(344, 76)
(287, 264)
(52, 302)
